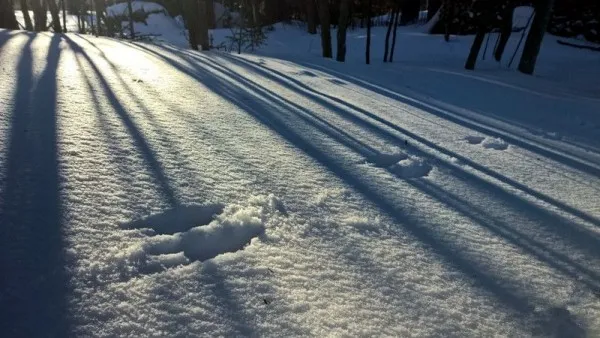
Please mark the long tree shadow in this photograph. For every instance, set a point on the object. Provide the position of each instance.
(571, 160)
(262, 104)
(564, 229)
(314, 95)
(167, 192)
(538, 250)
(33, 281)
(269, 114)
(179, 217)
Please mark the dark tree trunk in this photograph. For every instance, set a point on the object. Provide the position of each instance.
(210, 14)
(472, 59)
(55, 16)
(368, 47)
(7, 15)
(131, 26)
(311, 16)
(388, 33)
(432, 7)
(40, 18)
(93, 28)
(505, 32)
(203, 25)
(64, 11)
(396, 20)
(342, 26)
(325, 29)
(26, 16)
(543, 10)
(99, 16)
(410, 11)
(190, 16)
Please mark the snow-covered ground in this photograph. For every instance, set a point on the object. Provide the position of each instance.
(149, 190)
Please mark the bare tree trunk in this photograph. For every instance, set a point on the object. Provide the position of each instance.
(64, 11)
(342, 26)
(396, 21)
(190, 16)
(55, 16)
(505, 32)
(26, 16)
(203, 25)
(8, 19)
(388, 33)
(210, 12)
(131, 27)
(536, 34)
(410, 11)
(91, 20)
(311, 16)
(99, 4)
(432, 7)
(325, 28)
(472, 59)
(40, 18)
(368, 47)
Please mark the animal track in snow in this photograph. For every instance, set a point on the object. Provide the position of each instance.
(198, 233)
(487, 142)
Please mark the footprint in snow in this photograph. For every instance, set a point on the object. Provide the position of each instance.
(198, 233)
(412, 167)
(474, 139)
(382, 160)
(402, 164)
(337, 82)
(307, 73)
(487, 142)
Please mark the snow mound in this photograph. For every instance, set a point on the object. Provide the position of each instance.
(230, 231)
(494, 143)
(412, 167)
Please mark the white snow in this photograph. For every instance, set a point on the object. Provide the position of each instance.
(123, 9)
(150, 190)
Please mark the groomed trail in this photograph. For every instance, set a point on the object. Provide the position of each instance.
(150, 190)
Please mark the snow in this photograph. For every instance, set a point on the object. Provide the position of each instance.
(122, 9)
(150, 190)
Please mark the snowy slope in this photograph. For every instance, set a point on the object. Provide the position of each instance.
(149, 190)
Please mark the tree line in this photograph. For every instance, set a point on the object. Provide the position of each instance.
(454, 17)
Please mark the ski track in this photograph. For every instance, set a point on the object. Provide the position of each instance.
(353, 212)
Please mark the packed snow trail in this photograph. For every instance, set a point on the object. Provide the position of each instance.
(154, 191)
